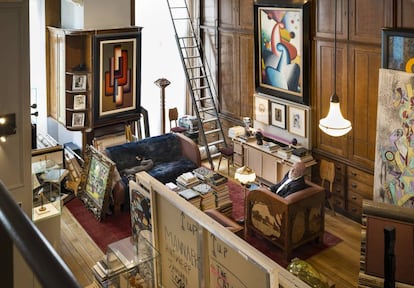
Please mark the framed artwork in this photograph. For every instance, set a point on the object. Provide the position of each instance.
(297, 121)
(278, 115)
(398, 49)
(96, 182)
(79, 102)
(117, 76)
(79, 82)
(282, 54)
(261, 109)
(78, 119)
(140, 209)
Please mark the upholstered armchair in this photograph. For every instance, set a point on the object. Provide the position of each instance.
(286, 222)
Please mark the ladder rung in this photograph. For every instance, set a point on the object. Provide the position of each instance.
(212, 131)
(210, 120)
(178, 7)
(215, 142)
(194, 67)
(206, 109)
(200, 88)
(198, 77)
(204, 98)
(188, 47)
(180, 18)
(215, 155)
(192, 57)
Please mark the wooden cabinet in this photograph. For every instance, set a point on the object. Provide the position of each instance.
(404, 14)
(238, 156)
(359, 187)
(70, 81)
(236, 14)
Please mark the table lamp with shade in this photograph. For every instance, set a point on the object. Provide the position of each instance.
(245, 175)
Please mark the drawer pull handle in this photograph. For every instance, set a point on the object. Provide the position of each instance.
(354, 174)
(354, 198)
(354, 185)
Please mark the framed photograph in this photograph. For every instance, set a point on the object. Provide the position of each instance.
(117, 77)
(282, 52)
(79, 82)
(79, 102)
(398, 49)
(297, 121)
(78, 119)
(278, 115)
(261, 109)
(96, 182)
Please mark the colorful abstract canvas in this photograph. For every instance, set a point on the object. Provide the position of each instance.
(394, 161)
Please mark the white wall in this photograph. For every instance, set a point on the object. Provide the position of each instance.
(160, 59)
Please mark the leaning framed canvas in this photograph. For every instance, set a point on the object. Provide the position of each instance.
(297, 121)
(398, 49)
(117, 78)
(96, 182)
(278, 115)
(282, 49)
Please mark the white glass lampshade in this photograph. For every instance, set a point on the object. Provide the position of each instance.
(334, 124)
(245, 175)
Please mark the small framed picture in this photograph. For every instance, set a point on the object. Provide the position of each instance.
(278, 115)
(78, 119)
(79, 82)
(79, 102)
(261, 110)
(297, 121)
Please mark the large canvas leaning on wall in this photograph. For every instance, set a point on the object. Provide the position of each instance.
(394, 160)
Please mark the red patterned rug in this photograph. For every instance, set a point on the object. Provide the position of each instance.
(109, 230)
(116, 227)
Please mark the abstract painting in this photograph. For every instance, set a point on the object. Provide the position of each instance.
(394, 157)
(398, 49)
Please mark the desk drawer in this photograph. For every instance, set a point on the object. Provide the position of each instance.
(359, 188)
(360, 176)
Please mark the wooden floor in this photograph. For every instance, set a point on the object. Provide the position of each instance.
(340, 264)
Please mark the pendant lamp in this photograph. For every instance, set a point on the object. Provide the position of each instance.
(334, 124)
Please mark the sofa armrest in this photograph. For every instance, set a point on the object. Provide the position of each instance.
(189, 149)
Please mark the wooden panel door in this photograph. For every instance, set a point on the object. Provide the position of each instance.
(404, 14)
(325, 13)
(229, 93)
(367, 17)
(364, 63)
(325, 89)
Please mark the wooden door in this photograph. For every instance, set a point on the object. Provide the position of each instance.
(404, 14)
(325, 13)
(364, 64)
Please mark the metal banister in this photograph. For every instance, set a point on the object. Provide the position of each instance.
(44, 261)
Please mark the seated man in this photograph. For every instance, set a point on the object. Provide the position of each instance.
(293, 181)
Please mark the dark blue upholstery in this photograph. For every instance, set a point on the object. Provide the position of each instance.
(163, 150)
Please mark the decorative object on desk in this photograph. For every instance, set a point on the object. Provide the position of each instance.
(42, 197)
(278, 115)
(397, 48)
(261, 109)
(297, 121)
(247, 123)
(259, 138)
(96, 182)
(334, 124)
(118, 62)
(282, 54)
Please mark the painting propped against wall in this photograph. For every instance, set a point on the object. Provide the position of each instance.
(394, 159)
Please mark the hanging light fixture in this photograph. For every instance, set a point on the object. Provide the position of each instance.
(334, 124)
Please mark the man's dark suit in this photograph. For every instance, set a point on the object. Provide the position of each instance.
(292, 187)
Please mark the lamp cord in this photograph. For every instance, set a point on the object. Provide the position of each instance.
(334, 54)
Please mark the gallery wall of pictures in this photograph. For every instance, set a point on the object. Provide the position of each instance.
(283, 119)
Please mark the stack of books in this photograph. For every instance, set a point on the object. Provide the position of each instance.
(101, 272)
(217, 179)
(301, 155)
(208, 201)
(270, 146)
(203, 173)
(284, 152)
(187, 180)
(220, 190)
(172, 187)
(191, 196)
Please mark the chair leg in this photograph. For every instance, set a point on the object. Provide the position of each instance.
(330, 202)
(218, 167)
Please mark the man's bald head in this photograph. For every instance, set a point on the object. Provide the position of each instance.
(297, 170)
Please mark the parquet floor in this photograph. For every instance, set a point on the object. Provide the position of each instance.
(340, 264)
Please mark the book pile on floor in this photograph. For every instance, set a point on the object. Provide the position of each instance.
(101, 272)
(203, 173)
(218, 183)
(207, 196)
(187, 180)
(191, 196)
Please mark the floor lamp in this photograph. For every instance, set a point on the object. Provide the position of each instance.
(245, 175)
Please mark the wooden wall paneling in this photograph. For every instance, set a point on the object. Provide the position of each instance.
(367, 17)
(324, 91)
(325, 10)
(364, 63)
(404, 14)
(246, 74)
